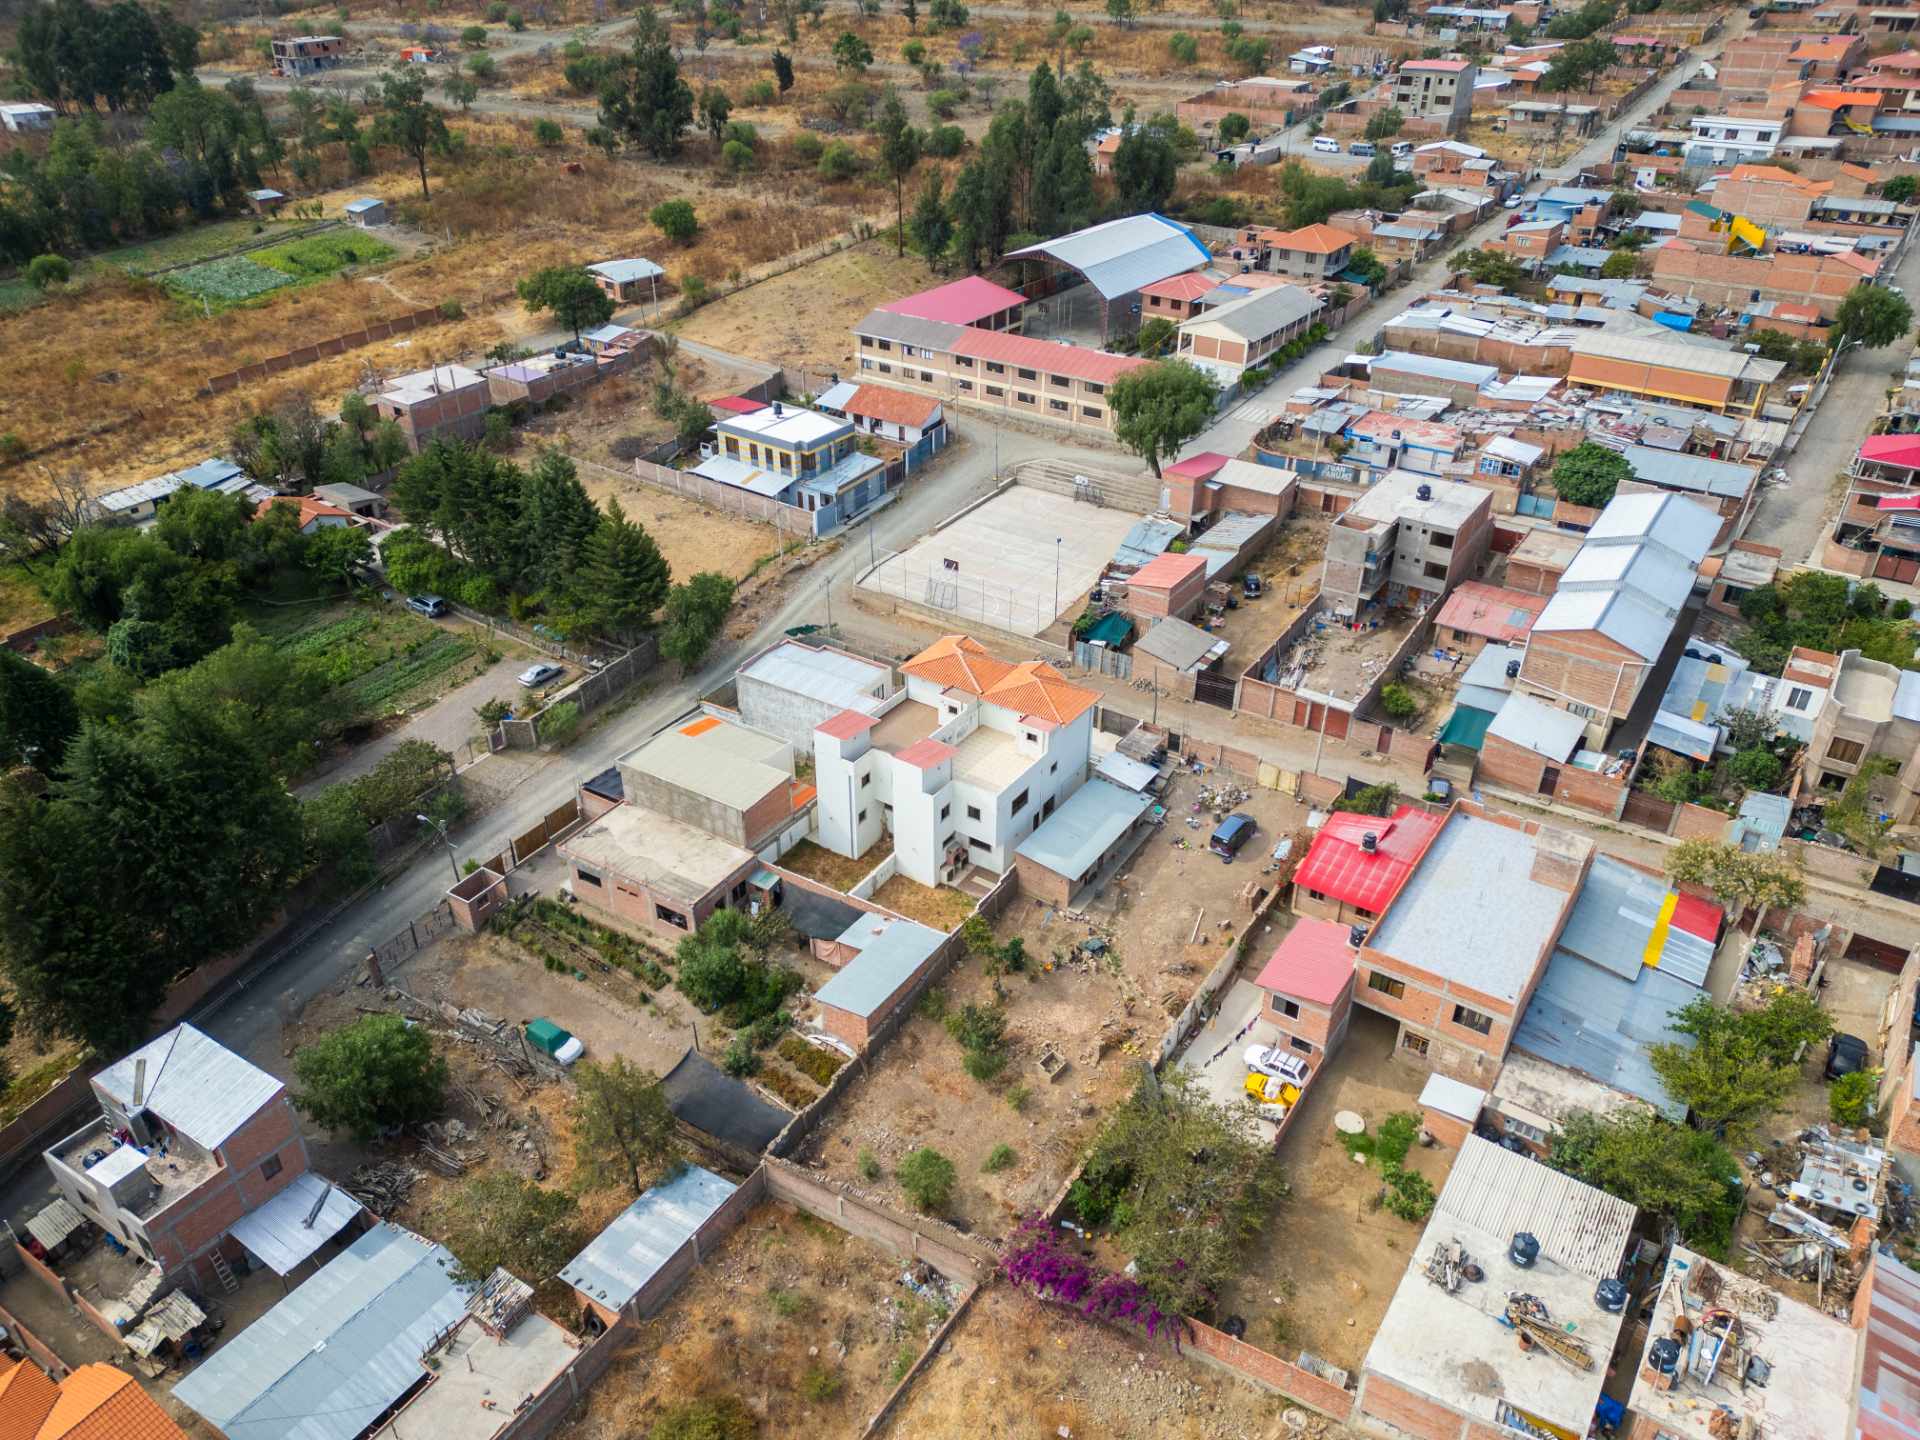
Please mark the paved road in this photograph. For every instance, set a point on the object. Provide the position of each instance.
(1796, 516)
(1235, 429)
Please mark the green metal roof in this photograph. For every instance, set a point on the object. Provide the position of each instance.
(1466, 726)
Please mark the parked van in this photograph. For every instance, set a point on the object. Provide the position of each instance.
(1230, 834)
(1362, 148)
(1403, 150)
(1326, 144)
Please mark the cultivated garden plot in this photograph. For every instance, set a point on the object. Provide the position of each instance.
(380, 658)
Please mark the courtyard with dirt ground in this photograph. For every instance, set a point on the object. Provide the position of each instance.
(807, 1326)
(1015, 1368)
(1322, 1276)
(1159, 926)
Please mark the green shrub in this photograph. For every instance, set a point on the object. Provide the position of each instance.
(1850, 1098)
(998, 1159)
(983, 1065)
(758, 95)
(1018, 1095)
(675, 219)
(1398, 701)
(816, 1063)
(548, 133)
(806, 147)
(869, 1165)
(45, 271)
(944, 141)
(714, 1417)
(560, 723)
(839, 161)
(903, 1362)
(1409, 1195)
(820, 1384)
(740, 1057)
(927, 1177)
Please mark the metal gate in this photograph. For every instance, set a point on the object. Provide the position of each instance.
(1648, 810)
(1210, 687)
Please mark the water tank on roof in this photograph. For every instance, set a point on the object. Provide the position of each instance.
(1664, 1355)
(1424, 492)
(1610, 1295)
(1524, 1250)
(1513, 669)
(1369, 842)
(1356, 935)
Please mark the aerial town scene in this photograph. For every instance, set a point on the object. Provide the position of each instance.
(819, 719)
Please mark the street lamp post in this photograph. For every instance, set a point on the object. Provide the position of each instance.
(1058, 541)
(441, 826)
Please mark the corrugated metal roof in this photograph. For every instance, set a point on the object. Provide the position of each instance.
(1699, 359)
(1263, 313)
(625, 272)
(1126, 771)
(1662, 578)
(194, 1083)
(1146, 541)
(1120, 256)
(935, 335)
(622, 1258)
(1618, 614)
(278, 1233)
(1683, 526)
(891, 951)
(1762, 821)
(1073, 839)
(1537, 726)
(1890, 1353)
(1176, 643)
(55, 1222)
(329, 1359)
(743, 476)
(1432, 367)
(1689, 472)
(1579, 1228)
(959, 302)
(831, 676)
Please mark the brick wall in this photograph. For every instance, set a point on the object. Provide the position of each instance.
(1697, 822)
(959, 1257)
(1041, 883)
(1406, 1411)
(41, 1352)
(1449, 1130)
(1269, 1372)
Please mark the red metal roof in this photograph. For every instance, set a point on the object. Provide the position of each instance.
(1165, 572)
(736, 404)
(1313, 962)
(1338, 867)
(1697, 917)
(1197, 467)
(925, 754)
(1898, 502)
(1049, 357)
(963, 302)
(1892, 450)
(1494, 611)
(846, 725)
(1891, 1352)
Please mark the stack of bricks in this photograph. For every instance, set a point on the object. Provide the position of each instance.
(1800, 963)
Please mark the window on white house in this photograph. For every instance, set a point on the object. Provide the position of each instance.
(1798, 698)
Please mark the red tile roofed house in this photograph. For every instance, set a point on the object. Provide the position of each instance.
(1309, 985)
(1348, 879)
(1313, 252)
(974, 300)
(1104, 152)
(1169, 585)
(1477, 614)
(894, 414)
(1173, 297)
(1830, 56)
(314, 514)
(1014, 742)
(95, 1402)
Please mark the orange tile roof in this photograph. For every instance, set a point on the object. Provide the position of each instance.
(95, 1402)
(1905, 60)
(1314, 239)
(1774, 174)
(98, 1402)
(1858, 172)
(1190, 286)
(1836, 99)
(958, 662)
(1166, 571)
(896, 407)
(27, 1397)
(309, 508)
(1831, 48)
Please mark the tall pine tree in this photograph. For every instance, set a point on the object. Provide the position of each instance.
(624, 579)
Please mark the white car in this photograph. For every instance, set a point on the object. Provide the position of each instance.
(1514, 202)
(1326, 144)
(1272, 1060)
(571, 1051)
(540, 674)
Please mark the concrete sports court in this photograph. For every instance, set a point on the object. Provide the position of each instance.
(995, 564)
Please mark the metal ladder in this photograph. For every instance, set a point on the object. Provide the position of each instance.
(224, 1273)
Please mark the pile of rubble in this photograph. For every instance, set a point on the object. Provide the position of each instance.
(1836, 1193)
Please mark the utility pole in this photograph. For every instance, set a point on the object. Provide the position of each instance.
(441, 827)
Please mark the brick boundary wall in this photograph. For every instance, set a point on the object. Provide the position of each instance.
(961, 1258)
(1268, 1371)
(35, 1346)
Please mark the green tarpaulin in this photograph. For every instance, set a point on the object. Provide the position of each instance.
(1115, 630)
(1466, 726)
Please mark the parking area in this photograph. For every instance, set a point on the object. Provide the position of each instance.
(1014, 563)
(1322, 1276)
(1217, 1054)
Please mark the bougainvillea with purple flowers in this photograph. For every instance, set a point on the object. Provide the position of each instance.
(1037, 1261)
